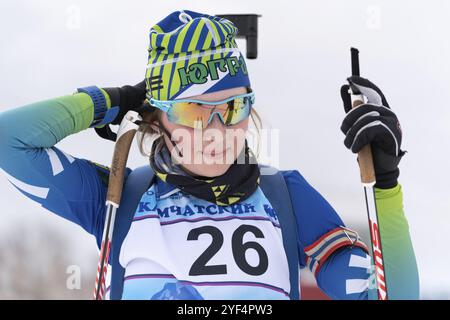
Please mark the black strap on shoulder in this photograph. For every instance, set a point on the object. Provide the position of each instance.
(137, 183)
(275, 189)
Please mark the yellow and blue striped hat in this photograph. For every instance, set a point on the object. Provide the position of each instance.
(191, 53)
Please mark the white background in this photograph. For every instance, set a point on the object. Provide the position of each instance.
(49, 48)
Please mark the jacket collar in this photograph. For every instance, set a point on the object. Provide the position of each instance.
(163, 188)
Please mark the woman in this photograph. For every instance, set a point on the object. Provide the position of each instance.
(187, 234)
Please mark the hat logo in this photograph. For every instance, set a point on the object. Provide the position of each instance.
(198, 73)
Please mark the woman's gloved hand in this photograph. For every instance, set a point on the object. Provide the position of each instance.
(126, 98)
(373, 122)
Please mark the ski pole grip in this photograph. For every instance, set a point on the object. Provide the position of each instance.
(118, 166)
(125, 136)
(365, 159)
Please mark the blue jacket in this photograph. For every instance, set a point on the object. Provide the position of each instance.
(75, 189)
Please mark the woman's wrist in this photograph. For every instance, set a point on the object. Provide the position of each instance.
(103, 112)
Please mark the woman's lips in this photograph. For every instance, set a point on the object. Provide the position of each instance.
(214, 153)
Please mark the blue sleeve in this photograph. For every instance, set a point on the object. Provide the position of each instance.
(72, 188)
(345, 275)
(322, 236)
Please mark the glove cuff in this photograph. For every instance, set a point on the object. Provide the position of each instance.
(387, 180)
(114, 95)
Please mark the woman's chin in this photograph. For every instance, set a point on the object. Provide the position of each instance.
(208, 170)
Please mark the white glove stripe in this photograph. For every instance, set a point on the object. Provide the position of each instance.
(373, 124)
(371, 113)
(371, 95)
(371, 104)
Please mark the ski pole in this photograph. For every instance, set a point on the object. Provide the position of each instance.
(368, 180)
(125, 136)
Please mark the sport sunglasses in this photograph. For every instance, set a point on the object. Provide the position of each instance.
(198, 114)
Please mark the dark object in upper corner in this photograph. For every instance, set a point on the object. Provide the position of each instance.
(247, 25)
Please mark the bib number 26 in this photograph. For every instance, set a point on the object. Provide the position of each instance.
(238, 247)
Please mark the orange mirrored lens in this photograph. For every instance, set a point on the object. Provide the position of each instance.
(196, 115)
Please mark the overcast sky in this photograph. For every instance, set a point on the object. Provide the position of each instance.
(49, 48)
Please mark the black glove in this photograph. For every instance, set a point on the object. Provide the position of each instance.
(375, 123)
(127, 98)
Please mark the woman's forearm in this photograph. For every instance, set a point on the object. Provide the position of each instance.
(45, 123)
(398, 253)
(61, 183)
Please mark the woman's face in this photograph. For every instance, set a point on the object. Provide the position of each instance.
(207, 152)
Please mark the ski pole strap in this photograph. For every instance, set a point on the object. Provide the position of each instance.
(106, 133)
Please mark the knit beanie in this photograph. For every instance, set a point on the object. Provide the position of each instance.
(190, 54)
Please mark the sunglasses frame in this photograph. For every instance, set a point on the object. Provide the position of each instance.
(167, 105)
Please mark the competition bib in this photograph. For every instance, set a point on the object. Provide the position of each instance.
(182, 247)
